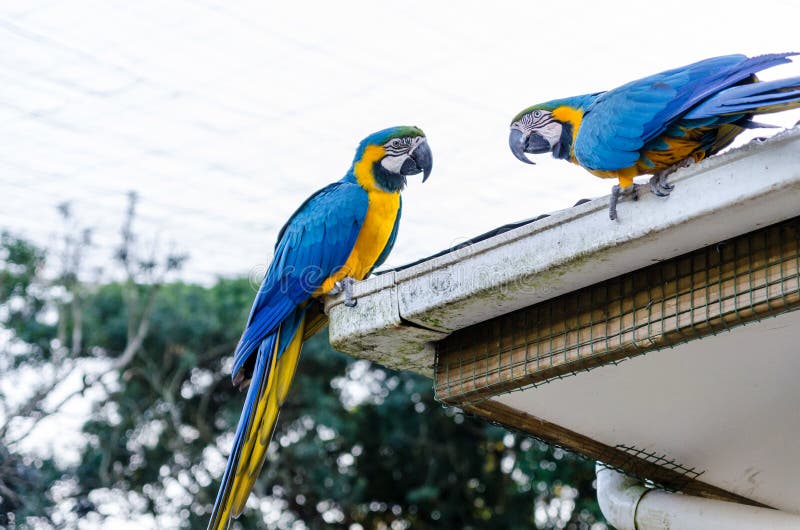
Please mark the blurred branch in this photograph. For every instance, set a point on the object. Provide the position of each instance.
(141, 275)
(33, 407)
(144, 277)
(201, 413)
(136, 338)
(75, 241)
(8, 493)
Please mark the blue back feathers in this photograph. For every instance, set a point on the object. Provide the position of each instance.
(621, 121)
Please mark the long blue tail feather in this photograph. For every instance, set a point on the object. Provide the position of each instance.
(754, 97)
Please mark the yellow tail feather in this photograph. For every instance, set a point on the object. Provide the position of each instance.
(237, 487)
(259, 434)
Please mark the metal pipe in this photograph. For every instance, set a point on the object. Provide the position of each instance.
(628, 505)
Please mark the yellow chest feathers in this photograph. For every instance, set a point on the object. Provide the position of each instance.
(381, 215)
(378, 223)
(375, 233)
(371, 240)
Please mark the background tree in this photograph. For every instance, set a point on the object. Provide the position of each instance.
(24, 335)
(357, 446)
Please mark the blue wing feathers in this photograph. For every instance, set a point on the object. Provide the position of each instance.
(257, 331)
(749, 97)
(642, 110)
(313, 244)
(706, 83)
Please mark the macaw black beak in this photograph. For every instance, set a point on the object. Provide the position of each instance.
(421, 160)
(532, 143)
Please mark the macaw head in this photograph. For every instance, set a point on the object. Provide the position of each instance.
(384, 159)
(548, 127)
(535, 130)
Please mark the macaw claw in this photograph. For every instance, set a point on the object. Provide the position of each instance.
(659, 185)
(616, 193)
(346, 285)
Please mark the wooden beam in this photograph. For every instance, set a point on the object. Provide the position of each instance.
(673, 479)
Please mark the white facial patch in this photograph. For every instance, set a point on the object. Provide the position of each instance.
(542, 123)
(393, 163)
(551, 132)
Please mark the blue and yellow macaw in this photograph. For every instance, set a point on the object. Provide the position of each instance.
(656, 124)
(338, 235)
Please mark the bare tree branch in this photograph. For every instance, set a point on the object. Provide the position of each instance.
(77, 325)
(136, 339)
(33, 407)
(151, 280)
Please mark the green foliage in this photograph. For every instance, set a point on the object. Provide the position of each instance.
(20, 262)
(357, 446)
(23, 480)
(21, 296)
(24, 483)
(159, 418)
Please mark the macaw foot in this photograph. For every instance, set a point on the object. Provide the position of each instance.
(658, 183)
(240, 381)
(616, 193)
(346, 285)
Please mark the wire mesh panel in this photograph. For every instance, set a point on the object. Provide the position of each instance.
(684, 298)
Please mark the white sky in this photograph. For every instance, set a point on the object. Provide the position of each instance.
(224, 116)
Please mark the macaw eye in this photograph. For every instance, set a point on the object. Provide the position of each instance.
(396, 143)
(537, 113)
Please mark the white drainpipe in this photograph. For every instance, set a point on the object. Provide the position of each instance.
(627, 505)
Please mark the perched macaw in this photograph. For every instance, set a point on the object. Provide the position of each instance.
(656, 124)
(338, 235)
